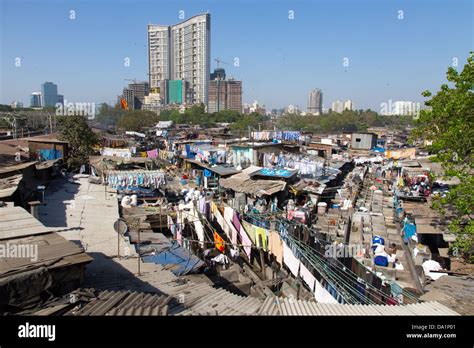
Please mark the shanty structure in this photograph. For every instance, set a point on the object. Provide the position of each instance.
(48, 262)
(243, 182)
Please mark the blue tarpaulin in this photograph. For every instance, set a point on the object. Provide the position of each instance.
(189, 153)
(284, 173)
(378, 149)
(409, 230)
(47, 155)
(175, 258)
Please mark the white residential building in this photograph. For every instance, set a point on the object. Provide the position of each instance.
(339, 106)
(181, 52)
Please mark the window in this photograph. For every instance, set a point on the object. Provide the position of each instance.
(358, 140)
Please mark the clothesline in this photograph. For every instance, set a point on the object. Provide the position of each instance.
(125, 179)
(280, 135)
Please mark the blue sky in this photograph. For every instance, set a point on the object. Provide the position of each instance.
(281, 59)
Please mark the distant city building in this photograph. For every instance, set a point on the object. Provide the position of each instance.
(277, 112)
(181, 52)
(60, 99)
(315, 102)
(35, 100)
(254, 107)
(49, 94)
(224, 94)
(348, 105)
(153, 102)
(179, 92)
(218, 73)
(135, 94)
(292, 109)
(16, 105)
(339, 106)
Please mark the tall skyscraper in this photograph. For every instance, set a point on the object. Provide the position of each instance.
(315, 102)
(49, 94)
(181, 52)
(35, 100)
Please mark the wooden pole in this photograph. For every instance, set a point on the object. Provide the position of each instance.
(118, 245)
(139, 273)
(161, 222)
(262, 260)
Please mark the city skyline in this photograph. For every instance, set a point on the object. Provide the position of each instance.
(92, 67)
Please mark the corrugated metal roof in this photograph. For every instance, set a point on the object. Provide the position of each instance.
(17, 222)
(289, 306)
(43, 248)
(121, 303)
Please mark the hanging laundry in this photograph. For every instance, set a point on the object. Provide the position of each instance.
(250, 229)
(275, 246)
(307, 276)
(133, 180)
(125, 153)
(322, 295)
(152, 153)
(219, 242)
(290, 260)
(228, 216)
(213, 207)
(260, 235)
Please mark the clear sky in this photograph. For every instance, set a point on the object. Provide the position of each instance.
(280, 58)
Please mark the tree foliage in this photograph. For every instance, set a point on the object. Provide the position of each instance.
(347, 121)
(81, 138)
(109, 115)
(449, 126)
(135, 120)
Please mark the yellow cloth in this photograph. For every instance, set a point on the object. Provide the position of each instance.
(260, 232)
(213, 207)
(254, 232)
(143, 154)
(250, 229)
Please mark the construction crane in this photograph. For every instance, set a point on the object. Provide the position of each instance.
(134, 80)
(218, 60)
(218, 79)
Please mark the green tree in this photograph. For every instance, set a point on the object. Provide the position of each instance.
(109, 115)
(251, 120)
(81, 138)
(449, 126)
(135, 120)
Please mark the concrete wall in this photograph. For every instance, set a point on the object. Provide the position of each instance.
(363, 141)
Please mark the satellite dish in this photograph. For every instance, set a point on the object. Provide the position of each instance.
(120, 227)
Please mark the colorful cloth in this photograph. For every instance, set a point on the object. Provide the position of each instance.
(261, 235)
(152, 153)
(219, 242)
